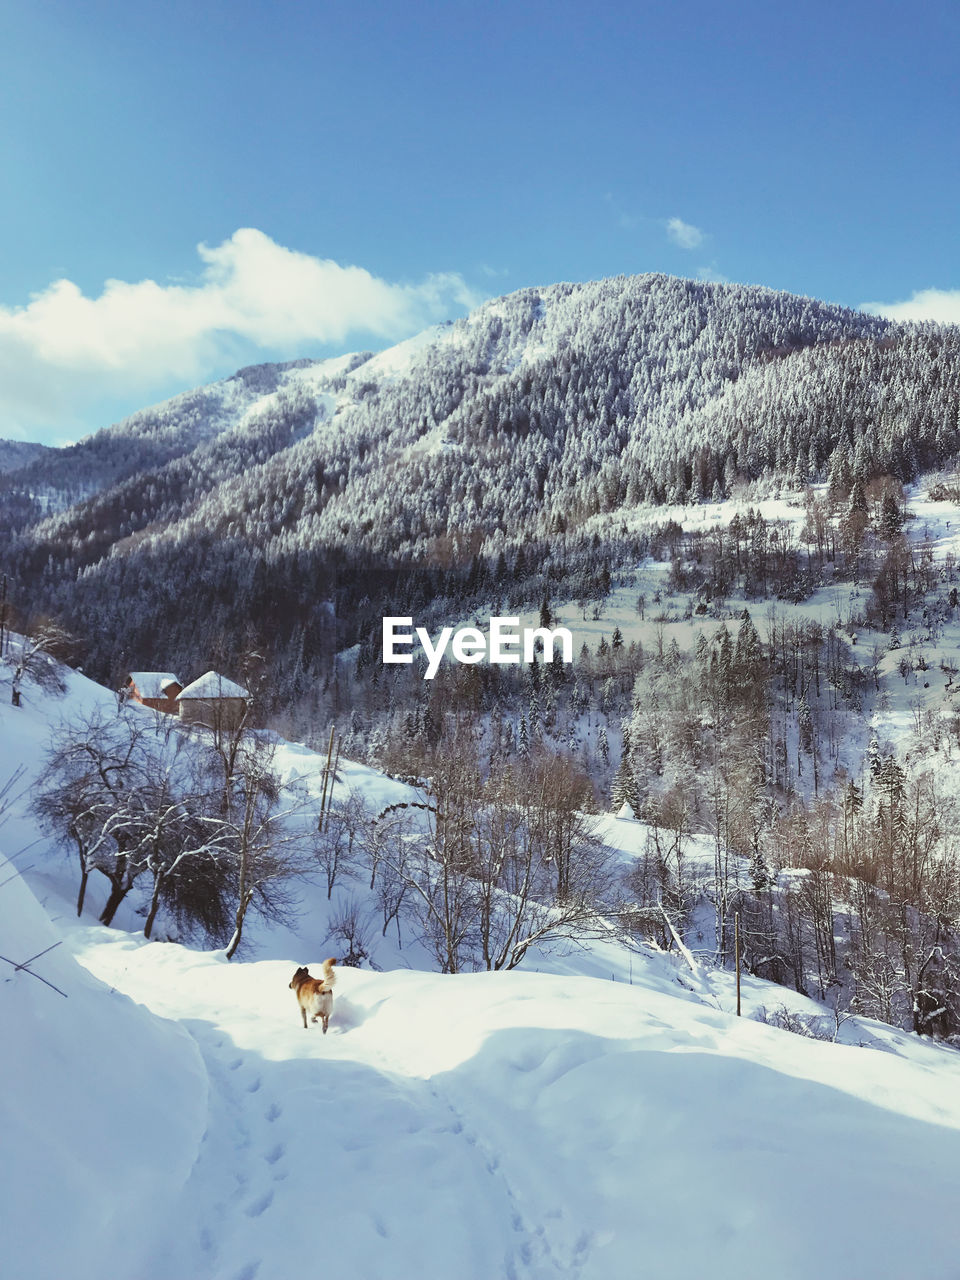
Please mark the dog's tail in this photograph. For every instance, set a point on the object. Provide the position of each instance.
(329, 977)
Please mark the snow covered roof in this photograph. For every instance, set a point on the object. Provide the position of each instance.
(212, 685)
(152, 684)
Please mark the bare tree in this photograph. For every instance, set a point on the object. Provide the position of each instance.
(543, 875)
(87, 799)
(489, 868)
(265, 841)
(37, 656)
(337, 847)
(351, 928)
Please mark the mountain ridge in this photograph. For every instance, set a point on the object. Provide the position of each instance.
(526, 418)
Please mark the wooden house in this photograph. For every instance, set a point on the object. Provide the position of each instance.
(155, 689)
(213, 701)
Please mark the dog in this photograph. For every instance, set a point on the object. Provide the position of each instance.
(315, 995)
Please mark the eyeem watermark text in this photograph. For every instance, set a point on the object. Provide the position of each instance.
(507, 642)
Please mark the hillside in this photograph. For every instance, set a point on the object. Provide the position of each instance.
(285, 490)
(16, 455)
(526, 1124)
(764, 665)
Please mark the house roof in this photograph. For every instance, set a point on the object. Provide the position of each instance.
(212, 685)
(152, 684)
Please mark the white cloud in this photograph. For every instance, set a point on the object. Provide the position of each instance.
(942, 305)
(64, 349)
(711, 275)
(684, 234)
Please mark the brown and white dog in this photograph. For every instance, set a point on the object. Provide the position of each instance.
(315, 995)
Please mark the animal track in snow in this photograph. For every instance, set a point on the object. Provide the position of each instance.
(582, 1247)
(260, 1205)
(274, 1112)
(275, 1153)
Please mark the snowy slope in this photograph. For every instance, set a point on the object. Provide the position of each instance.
(525, 1125)
(102, 1109)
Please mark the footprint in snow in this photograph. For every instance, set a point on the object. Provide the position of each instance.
(260, 1205)
(274, 1112)
(276, 1153)
(582, 1247)
(254, 1086)
(234, 1065)
(248, 1272)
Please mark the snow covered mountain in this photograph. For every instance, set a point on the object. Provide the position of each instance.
(17, 454)
(283, 486)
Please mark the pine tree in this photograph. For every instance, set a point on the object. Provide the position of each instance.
(852, 798)
(840, 478)
(536, 731)
(891, 517)
(857, 516)
(748, 655)
(624, 788)
(760, 876)
(805, 722)
(813, 463)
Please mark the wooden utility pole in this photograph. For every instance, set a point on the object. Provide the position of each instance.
(3, 611)
(326, 777)
(736, 948)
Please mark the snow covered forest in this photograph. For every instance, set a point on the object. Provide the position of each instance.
(283, 492)
(739, 500)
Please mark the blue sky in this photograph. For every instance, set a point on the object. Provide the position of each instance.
(447, 152)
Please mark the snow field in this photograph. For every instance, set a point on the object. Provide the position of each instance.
(530, 1125)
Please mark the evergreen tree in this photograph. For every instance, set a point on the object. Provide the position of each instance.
(760, 876)
(891, 517)
(624, 788)
(805, 722)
